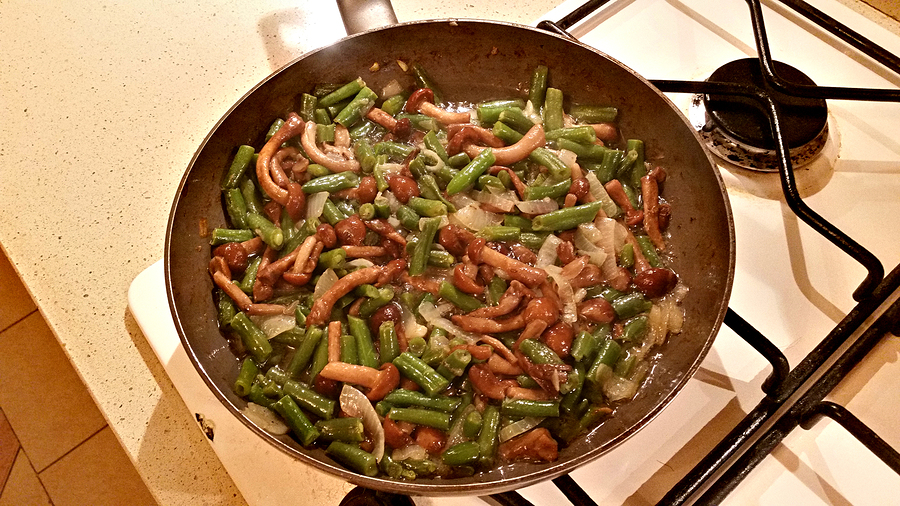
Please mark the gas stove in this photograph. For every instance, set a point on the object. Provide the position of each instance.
(797, 397)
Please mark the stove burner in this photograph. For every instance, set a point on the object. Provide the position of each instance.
(737, 128)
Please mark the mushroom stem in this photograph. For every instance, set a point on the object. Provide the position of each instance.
(292, 126)
(530, 276)
(509, 155)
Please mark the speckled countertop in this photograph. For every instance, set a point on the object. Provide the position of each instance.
(103, 104)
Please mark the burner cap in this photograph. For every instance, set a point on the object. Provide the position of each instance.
(803, 119)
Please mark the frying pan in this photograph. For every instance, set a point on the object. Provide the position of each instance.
(471, 60)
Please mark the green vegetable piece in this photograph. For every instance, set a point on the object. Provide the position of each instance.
(353, 457)
(305, 432)
(467, 176)
(566, 218)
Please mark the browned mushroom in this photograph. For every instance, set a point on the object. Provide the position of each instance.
(444, 116)
(466, 281)
(530, 276)
(339, 161)
(487, 383)
(292, 127)
(469, 134)
(650, 197)
(509, 155)
(509, 302)
(321, 308)
(539, 314)
(536, 444)
(617, 192)
(378, 381)
(488, 325)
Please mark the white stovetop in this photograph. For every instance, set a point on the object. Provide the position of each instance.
(807, 294)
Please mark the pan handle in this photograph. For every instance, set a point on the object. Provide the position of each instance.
(362, 15)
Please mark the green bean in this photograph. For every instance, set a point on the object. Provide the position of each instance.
(405, 398)
(366, 128)
(408, 218)
(321, 116)
(427, 207)
(533, 240)
(368, 307)
(495, 290)
(634, 328)
(419, 258)
(270, 388)
(556, 167)
(593, 113)
(393, 104)
(625, 363)
(387, 342)
(236, 207)
(225, 235)
(612, 158)
(394, 470)
(584, 346)
(416, 345)
(553, 109)
(319, 359)
(296, 420)
(393, 149)
(553, 191)
(353, 457)
(346, 430)
(238, 167)
(225, 308)
(348, 350)
(459, 299)
(472, 424)
(438, 347)
(423, 80)
(538, 88)
(342, 93)
(332, 182)
(420, 122)
(270, 234)
(303, 353)
(626, 256)
(631, 304)
(245, 378)
(648, 250)
(254, 339)
(382, 207)
(516, 119)
(467, 176)
(420, 373)
(357, 108)
(459, 160)
(528, 407)
(365, 348)
(586, 153)
(274, 127)
(433, 143)
(366, 211)
(249, 278)
(538, 352)
(441, 258)
(310, 400)
(583, 134)
(461, 454)
(308, 105)
(566, 218)
(252, 197)
(331, 213)
(488, 181)
(638, 170)
(325, 133)
(333, 258)
(454, 364)
(489, 111)
(506, 133)
(277, 374)
(573, 388)
(428, 187)
(420, 416)
(487, 437)
(607, 356)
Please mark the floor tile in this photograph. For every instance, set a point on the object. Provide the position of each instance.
(15, 303)
(23, 486)
(98, 473)
(43, 398)
(9, 447)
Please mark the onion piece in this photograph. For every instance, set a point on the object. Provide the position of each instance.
(362, 263)
(275, 324)
(500, 201)
(537, 206)
(566, 293)
(586, 247)
(410, 451)
(326, 281)
(315, 204)
(433, 317)
(617, 388)
(391, 88)
(521, 426)
(354, 403)
(567, 157)
(475, 218)
(411, 327)
(547, 254)
(599, 193)
(265, 419)
(602, 234)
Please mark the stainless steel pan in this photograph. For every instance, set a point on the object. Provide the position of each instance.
(472, 60)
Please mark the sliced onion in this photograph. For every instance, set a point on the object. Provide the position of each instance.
(500, 201)
(265, 419)
(392, 88)
(411, 327)
(519, 427)
(616, 388)
(602, 233)
(433, 317)
(325, 282)
(537, 206)
(361, 263)
(531, 112)
(475, 218)
(273, 325)
(599, 193)
(315, 204)
(461, 200)
(354, 403)
(410, 451)
(567, 157)
(547, 254)
(566, 294)
(456, 435)
(586, 247)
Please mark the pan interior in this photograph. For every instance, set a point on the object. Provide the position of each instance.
(470, 61)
